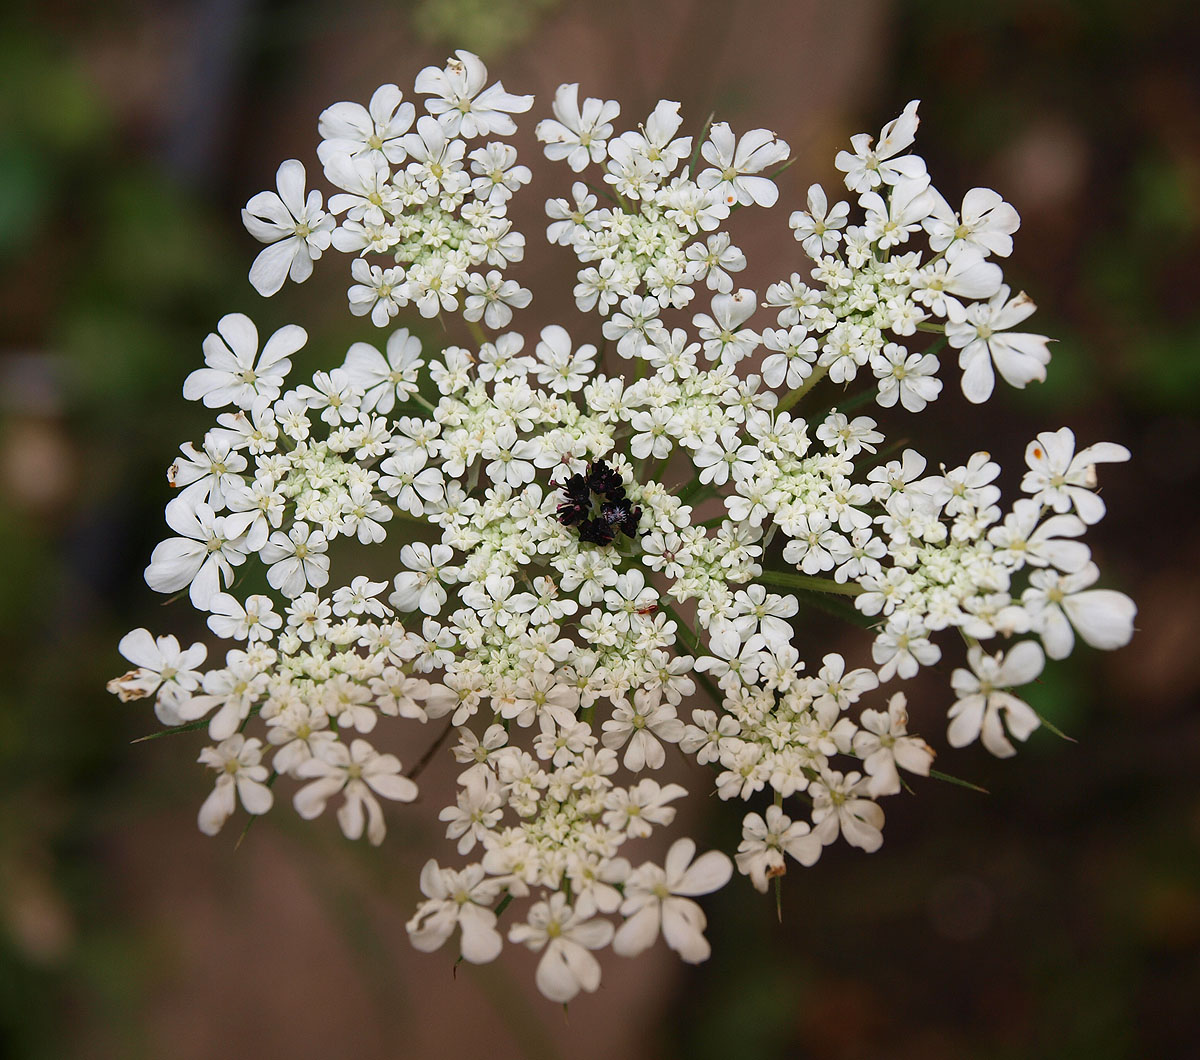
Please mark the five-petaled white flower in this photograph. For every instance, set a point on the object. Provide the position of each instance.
(661, 899)
(240, 778)
(236, 373)
(294, 225)
(360, 773)
(565, 936)
(985, 708)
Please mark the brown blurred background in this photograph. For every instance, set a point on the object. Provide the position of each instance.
(1058, 916)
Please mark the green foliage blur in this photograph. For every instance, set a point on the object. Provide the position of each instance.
(1058, 916)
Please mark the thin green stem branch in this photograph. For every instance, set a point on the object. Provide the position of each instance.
(790, 399)
(477, 332)
(810, 583)
(693, 645)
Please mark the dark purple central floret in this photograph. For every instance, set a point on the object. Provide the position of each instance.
(597, 505)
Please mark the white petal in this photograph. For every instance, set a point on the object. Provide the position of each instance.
(683, 923)
(139, 647)
(271, 266)
(481, 942)
(217, 807)
(256, 797)
(708, 873)
(1103, 617)
(638, 932)
(1022, 664)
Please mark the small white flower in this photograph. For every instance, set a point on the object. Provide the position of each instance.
(254, 620)
(722, 333)
(891, 222)
(660, 899)
(564, 371)
(643, 724)
(462, 105)
(420, 588)
(841, 805)
(498, 174)
(457, 899)
(233, 375)
(240, 777)
(384, 381)
(297, 559)
(883, 744)
(162, 667)
(735, 163)
(867, 168)
(985, 707)
(980, 332)
(492, 298)
(566, 936)
(360, 773)
(819, 230)
(352, 129)
(909, 378)
(379, 292)
(296, 228)
(903, 648)
(578, 136)
(1060, 604)
(1062, 479)
(764, 843)
(987, 223)
(203, 557)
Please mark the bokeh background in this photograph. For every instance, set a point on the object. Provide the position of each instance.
(1057, 916)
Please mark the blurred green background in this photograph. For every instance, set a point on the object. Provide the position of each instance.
(1058, 916)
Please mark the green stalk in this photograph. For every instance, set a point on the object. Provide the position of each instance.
(936, 775)
(810, 583)
(789, 400)
(477, 332)
(695, 160)
(695, 647)
(694, 491)
(660, 468)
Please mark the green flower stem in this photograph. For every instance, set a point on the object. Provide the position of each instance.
(958, 781)
(694, 492)
(932, 329)
(852, 404)
(810, 583)
(477, 332)
(695, 159)
(695, 647)
(416, 770)
(783, 168)
(601, 192)
(790, 399)
(190, 726)
(406, 516)
(660, 469)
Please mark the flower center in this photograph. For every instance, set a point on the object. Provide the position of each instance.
(597, 505)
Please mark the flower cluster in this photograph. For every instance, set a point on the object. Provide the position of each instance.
(406, 192)
(590, 573)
